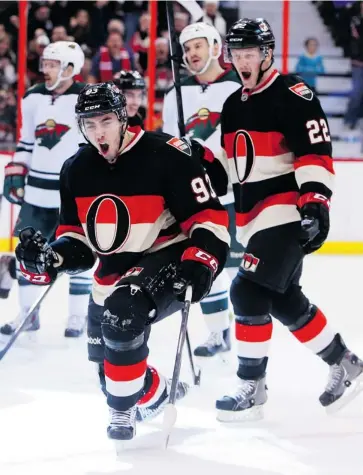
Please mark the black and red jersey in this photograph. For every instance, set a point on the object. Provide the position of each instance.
(156, 194)
(278, 145)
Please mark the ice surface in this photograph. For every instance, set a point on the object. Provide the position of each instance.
(53, 417)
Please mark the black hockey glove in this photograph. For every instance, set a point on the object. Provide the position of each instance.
(315, 222)
(196, 269)
(36, 257)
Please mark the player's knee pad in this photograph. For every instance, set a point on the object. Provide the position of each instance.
(249, 298)
(292, 308)
(126, 313)
(94, 333)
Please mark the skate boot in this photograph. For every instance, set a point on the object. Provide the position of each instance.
(32, 325)
(151, 409)
(245, 404)
(75, 326)
(345, 378)
(122, 424)
(217, 342)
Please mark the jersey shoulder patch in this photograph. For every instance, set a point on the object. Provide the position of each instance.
(180, 145)
(302, 90)
(297, 86)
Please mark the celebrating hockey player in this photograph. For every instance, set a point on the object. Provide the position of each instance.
(141, 203)
(49, 135)
(133, 86)
(203, 96)
(277, 141)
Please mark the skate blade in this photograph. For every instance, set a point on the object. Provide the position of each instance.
(255, 413)
(350, 393)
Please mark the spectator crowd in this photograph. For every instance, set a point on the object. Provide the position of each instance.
(114, 35)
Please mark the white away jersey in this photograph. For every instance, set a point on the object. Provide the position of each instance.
(49, 135)
(202, 106)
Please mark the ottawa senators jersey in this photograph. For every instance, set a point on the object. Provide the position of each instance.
(155, 195)
(278, 146)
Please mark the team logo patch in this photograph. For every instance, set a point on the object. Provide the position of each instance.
(49, 133)
(202, 124)
(249, 262)
(181, 145)
(302, 90)
(133, 272)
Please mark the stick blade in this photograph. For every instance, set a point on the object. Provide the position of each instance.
(170, 415)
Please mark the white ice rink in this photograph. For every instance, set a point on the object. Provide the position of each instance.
(53, 418)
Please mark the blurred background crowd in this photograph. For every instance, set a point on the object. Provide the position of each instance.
(119, 31)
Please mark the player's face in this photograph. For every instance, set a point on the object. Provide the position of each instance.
(133, 101)
(104, 133)
(197, 53)
(247, 62)
(50, 69)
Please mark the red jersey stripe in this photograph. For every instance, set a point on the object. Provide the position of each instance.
(62, 229)
(265, 144)
(288, 198)
(213, 216)
(142, 208)
(125, 373)
(253, 333)
(312, 329)
(319, 160)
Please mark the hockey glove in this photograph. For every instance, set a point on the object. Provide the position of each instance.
(315, 222)
(36, 257)
(14, 182)
(196, 269)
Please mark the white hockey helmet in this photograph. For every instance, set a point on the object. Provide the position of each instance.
(201, 30)
(66, 52)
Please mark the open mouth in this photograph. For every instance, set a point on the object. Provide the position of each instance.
(104, 147)
(246, 74)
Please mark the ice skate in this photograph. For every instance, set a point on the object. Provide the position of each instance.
(122, 424)
(75, 326)
(146, 412)
(344, 384)
(245, 404)
(217, 342)
(32, 325)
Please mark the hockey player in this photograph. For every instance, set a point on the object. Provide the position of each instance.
(49, 135)
(278, 145)
(140, 202)
(133, 86)
(203, 94)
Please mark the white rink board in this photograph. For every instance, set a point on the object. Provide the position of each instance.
(53, 418)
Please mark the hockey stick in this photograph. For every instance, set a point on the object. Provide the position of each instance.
(175, 66)
(17, 332)
(181, 126)
(170, 412)
(196, 373)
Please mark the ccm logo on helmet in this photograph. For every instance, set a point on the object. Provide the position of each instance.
(89, 108)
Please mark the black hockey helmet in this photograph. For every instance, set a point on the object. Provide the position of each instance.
(249, 33)
(126, 80)
(99, 99)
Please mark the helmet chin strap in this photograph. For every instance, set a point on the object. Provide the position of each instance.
(261, 73)
(60, 79)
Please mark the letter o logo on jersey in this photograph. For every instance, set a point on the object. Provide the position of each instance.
(243, 150)
(108, 224)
